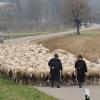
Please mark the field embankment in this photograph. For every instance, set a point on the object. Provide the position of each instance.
(87, 44)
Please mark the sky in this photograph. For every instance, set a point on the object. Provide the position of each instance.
(95, 4)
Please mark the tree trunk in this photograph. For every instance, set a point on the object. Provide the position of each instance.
(78, 30)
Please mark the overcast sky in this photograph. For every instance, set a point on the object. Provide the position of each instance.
(95, 3)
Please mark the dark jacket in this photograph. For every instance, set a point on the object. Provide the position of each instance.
(80, 65)
(81, 68)
(55, 64)
(55, 67)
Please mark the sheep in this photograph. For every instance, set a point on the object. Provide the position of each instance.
(28, 63)
(30, 72)
(93, 75)
(67, 75)
(42, 75)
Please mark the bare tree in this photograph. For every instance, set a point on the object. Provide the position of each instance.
(76, 11)
(41, 14)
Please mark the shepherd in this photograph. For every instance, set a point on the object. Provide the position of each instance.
(81, 69)
(55, 70)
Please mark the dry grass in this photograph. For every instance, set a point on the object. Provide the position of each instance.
(88, 45)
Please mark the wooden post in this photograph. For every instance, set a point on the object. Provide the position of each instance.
(87, 94)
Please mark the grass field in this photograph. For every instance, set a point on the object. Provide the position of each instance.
(11, 91)
(19, 35)
(8, 35)
(87, 44)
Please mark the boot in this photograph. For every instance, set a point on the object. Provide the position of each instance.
(80, 85)
(58, 85)
(52, 84)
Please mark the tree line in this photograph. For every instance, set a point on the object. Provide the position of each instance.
(42, 15)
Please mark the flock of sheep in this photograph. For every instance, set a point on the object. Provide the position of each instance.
(28, 63)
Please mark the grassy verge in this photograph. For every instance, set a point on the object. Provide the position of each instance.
(91, 32)
(11, 91)
(19, 35)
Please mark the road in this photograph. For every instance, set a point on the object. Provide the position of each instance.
(71, 92)
(46, 36)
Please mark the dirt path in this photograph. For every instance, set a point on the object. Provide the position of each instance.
(71, 92)
(39, 37)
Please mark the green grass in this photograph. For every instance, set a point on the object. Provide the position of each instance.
(91, 32)
(25, 34)
(19, 35)
(12, 91)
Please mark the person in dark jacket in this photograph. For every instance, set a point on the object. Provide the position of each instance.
(55, 70)
(81, 69)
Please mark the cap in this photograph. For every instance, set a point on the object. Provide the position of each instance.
(56, 55)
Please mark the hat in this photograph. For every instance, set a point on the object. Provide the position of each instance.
(56, 55)
(80, 56)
